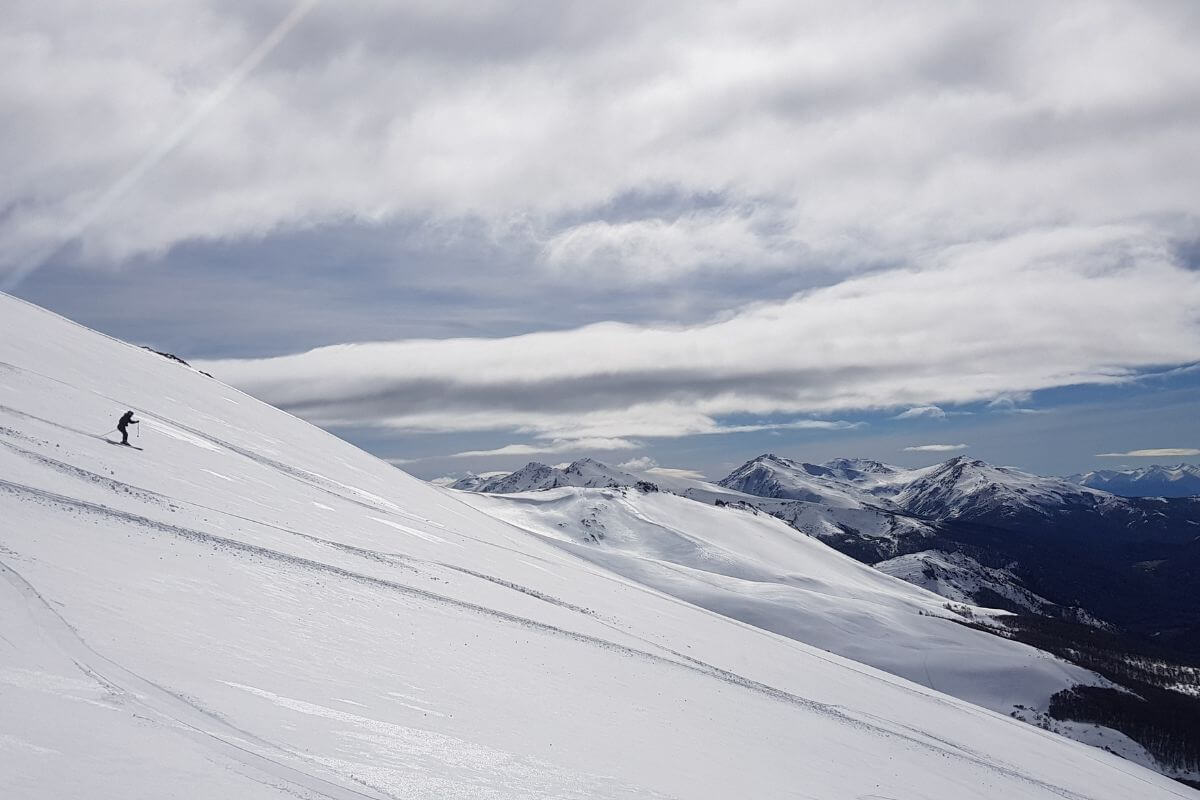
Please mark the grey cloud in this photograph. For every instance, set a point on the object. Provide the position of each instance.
(961, 123)
(562, 395)
(1157, 452)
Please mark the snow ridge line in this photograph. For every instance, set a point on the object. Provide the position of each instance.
(195, 722)
(690, 664)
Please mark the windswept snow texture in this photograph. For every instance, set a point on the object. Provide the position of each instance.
(1181, 480)
(252, 608)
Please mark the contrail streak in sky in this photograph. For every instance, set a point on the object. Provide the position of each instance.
(160, 151)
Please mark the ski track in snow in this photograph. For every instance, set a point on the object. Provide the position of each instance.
(866, 722)
(429, 537)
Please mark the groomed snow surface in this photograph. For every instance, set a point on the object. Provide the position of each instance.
(252, 608)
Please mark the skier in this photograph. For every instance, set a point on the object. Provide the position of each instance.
(126, 419)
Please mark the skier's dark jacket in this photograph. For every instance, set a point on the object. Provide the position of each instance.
(125, 420)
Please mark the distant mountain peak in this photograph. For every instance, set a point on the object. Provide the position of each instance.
(861, 465)
(1155, 480)
(968, 487)
(536, 476)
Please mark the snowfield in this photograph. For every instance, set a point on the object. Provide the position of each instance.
(252, 608)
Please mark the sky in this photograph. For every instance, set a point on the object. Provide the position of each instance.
(469, 235)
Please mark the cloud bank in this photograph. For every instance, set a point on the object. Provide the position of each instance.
(961, 332)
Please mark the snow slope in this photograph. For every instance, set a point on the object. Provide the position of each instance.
(252, 608)
(755, 568)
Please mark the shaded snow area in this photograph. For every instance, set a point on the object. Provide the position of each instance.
(252, 608)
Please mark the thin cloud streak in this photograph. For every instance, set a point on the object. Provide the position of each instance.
(1162, 452)
(568, 446)
(161, 150)
(935, 448)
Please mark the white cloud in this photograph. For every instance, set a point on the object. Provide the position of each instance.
(648, 250)
(560, 446)
(1010, 404)
(671, 472)
(639, 464)
(1162, 452)
(935, 448)
(932, 412)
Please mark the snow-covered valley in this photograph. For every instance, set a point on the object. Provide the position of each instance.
(249, 607)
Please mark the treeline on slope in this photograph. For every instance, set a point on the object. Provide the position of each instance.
(1164, 721)
(1169, 728)
(1146, 583)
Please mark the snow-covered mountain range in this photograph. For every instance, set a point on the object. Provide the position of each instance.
(249, 607)
(987, 534)
(1181, 480)
(969, 531)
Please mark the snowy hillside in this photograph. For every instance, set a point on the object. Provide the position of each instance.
(966, 487)
(585, 472)
(252, 608)
(1181, 480)
(962, 578)
(773, 476)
